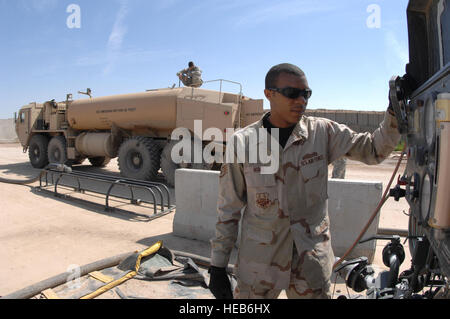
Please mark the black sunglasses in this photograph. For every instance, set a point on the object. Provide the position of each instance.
(293, 93)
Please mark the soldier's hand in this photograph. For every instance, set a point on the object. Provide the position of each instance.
(390, 109)
(219, 283)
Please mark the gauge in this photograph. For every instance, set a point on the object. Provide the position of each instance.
(430, 123)
(425, 197)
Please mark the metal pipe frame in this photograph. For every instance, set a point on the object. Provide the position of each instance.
(131, 184)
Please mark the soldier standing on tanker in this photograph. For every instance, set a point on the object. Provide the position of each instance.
(285, 237)
(192, 76)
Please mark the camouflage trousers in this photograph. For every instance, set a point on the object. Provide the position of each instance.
(298, 288)
(187, 81)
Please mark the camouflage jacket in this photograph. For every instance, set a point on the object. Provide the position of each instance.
(289, 206)
(195, 74)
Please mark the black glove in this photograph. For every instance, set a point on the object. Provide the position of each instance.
(219, 284)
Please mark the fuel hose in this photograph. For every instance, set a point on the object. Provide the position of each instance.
(55, 167)
(384, 198)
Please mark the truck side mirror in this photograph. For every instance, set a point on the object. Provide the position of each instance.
(15, 117)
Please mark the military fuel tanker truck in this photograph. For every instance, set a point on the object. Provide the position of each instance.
(136, 128)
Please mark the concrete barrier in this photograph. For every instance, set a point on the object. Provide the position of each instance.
(350, 205)
(196, 193)
(7, 131)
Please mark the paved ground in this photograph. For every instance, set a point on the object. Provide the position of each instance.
(41, 236)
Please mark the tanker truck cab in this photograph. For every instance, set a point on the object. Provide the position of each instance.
(27, 121)
(22, 125)
(29, 125)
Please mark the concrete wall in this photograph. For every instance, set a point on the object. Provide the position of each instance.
(359, 121)
(350, 205)
(7, 131)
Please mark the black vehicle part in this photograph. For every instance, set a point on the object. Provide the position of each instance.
(356, 273)
(101, 161)
(393, 257)
(139, 158)
(57, 150)
(38, 151)
(168, 167)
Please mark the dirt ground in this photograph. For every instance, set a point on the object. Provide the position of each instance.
(42, 236)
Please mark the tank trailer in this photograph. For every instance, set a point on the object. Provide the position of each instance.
(136, 128)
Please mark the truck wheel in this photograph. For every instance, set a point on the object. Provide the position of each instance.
(139, 158)
(37, 151)
(57, 150)
(101, 161)
(168, 167)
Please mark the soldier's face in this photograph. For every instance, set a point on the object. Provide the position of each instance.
(285, 111)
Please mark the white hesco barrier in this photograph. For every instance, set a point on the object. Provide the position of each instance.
(350, 205)
(8, 131)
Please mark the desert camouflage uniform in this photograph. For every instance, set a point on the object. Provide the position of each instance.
(339, 168)
(287, 212)
(192, 77)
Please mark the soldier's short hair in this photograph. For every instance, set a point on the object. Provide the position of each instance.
(275, 71)
(191, 64)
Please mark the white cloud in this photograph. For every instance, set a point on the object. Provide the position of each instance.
(40, 6)
(282, 10)
(396, 53)
(116, 37)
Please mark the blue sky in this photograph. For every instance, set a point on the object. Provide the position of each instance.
(125, 46)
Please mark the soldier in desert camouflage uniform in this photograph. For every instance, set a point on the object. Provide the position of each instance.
(285, 237)
(192, 76)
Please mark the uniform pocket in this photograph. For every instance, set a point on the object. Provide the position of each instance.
(255, 179)
(259, 235)
(314, 177)
(262, 191)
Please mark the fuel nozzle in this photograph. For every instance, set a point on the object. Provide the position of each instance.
(59, 167)
(356, 273)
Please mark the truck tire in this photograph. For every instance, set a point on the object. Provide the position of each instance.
(57, 150)
(100, 161)
(38, 150)
(168, 167)
(139, 158)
